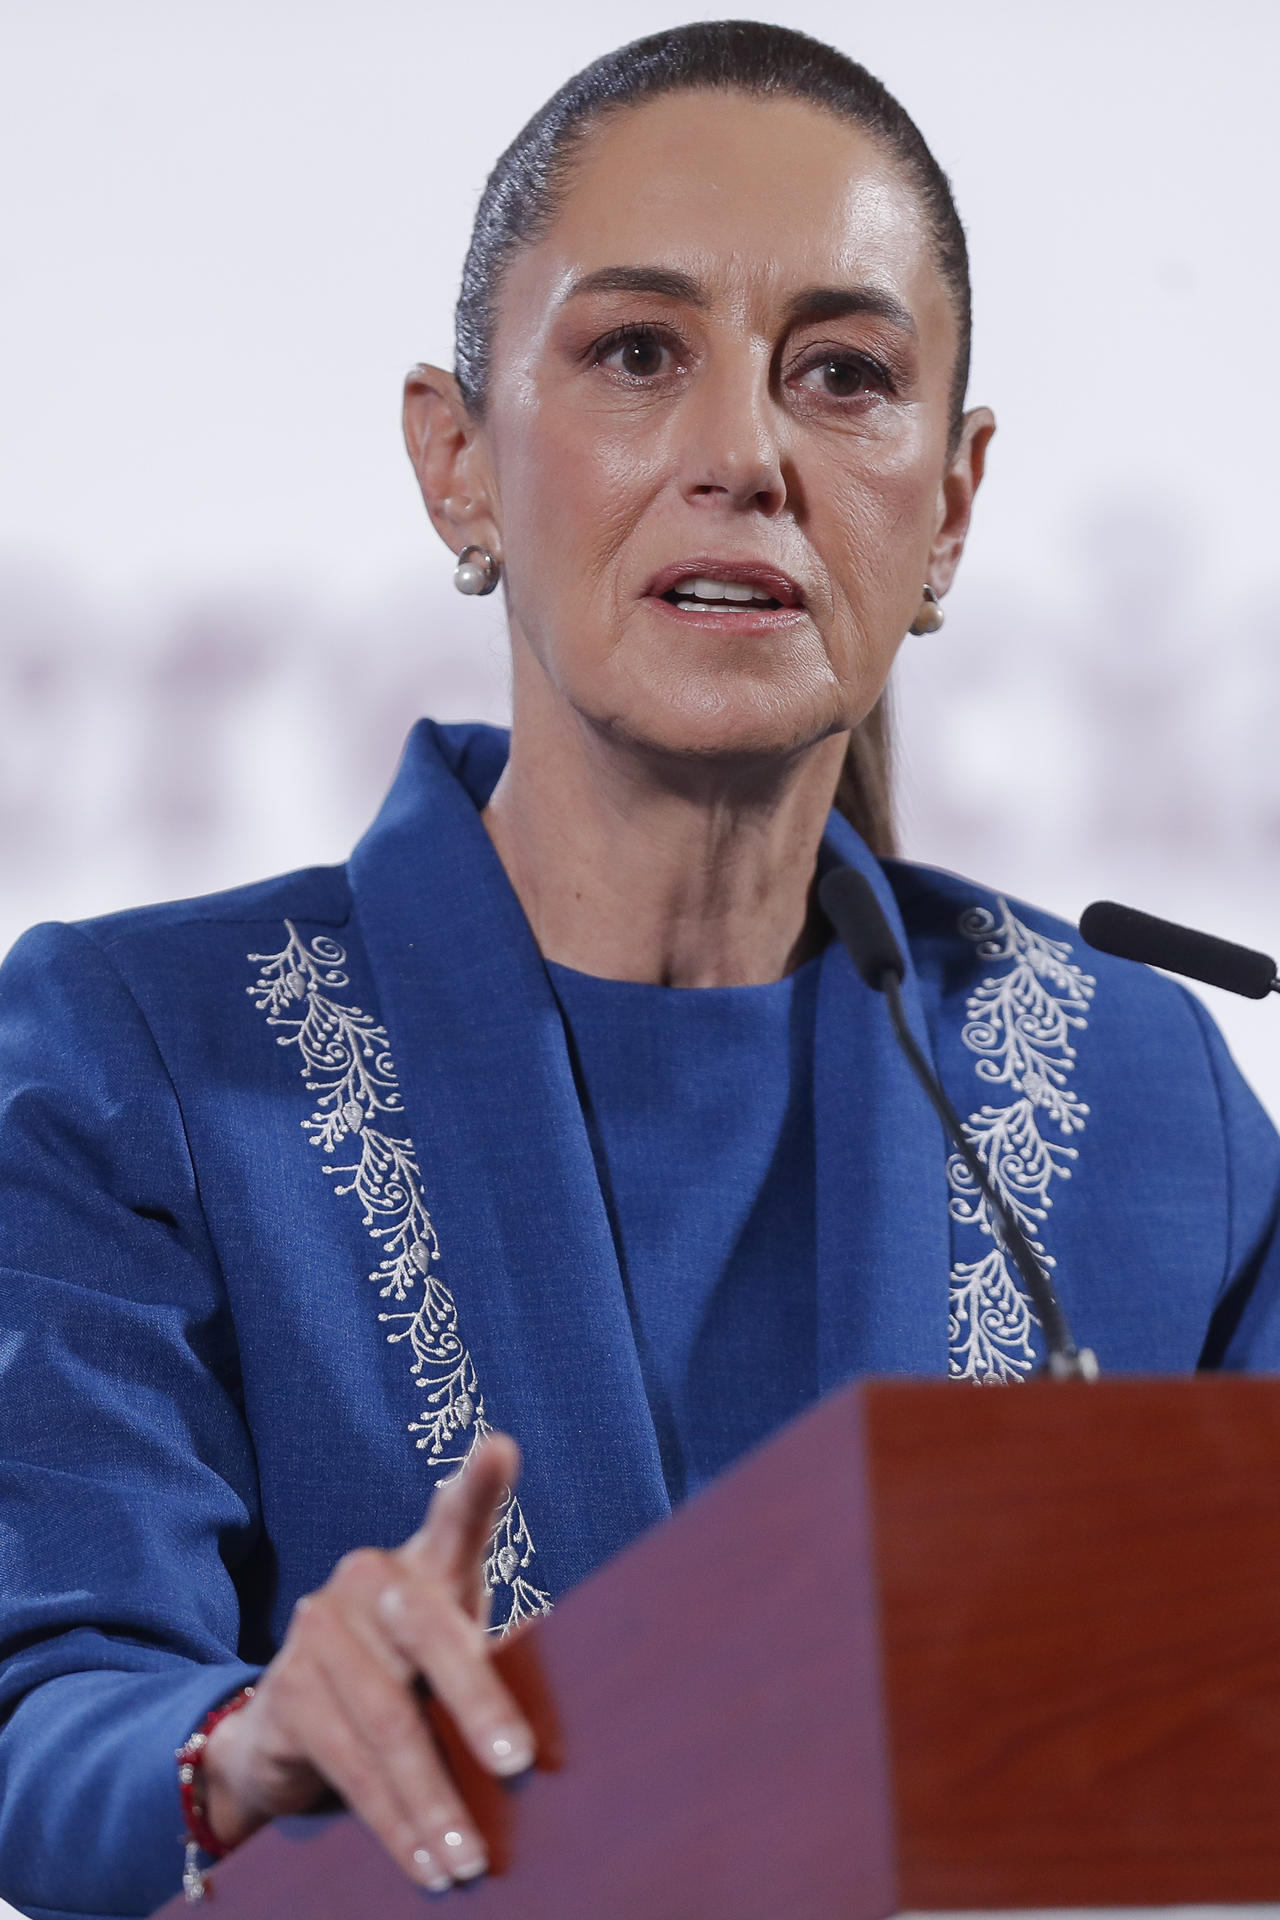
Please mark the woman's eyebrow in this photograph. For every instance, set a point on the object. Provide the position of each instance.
(666, 282)
(833, 303)
(809, 305)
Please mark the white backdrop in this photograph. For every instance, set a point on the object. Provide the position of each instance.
(227, 229)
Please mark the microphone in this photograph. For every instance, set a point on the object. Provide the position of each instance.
(847, 899)
(1131, 935)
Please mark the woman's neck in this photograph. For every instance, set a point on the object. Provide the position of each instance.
(681, 875)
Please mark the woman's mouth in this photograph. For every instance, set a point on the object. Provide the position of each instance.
(745, 595)
(699, 594)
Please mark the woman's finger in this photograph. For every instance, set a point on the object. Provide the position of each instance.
(356, 1585)
(452, 1541)
(453, 1654)
(415, 1840)
(394, 1760)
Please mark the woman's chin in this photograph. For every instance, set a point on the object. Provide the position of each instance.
(714, 722)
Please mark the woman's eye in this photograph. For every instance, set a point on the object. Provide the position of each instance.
(640, 356)
(842, 376)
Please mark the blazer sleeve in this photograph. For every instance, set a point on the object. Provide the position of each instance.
(128, 1497)
(1245, 1331)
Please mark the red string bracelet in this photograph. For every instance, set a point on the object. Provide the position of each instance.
(200, 1837)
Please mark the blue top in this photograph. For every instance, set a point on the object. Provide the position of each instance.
(699, 1104)
(297, 1199)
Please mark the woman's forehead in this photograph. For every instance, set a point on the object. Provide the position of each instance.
(734, 190)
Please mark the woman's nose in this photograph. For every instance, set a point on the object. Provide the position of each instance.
(732, 449)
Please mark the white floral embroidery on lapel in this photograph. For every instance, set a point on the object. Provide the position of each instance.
(1020, 1024)
(345, 1058)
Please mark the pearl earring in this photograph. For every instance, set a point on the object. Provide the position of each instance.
(477, 571)
(930, 616)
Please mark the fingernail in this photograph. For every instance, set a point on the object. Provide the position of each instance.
(432, 1878)
(511, 1751)
(468, 1864)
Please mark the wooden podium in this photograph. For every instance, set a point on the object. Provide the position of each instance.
(932, 1647)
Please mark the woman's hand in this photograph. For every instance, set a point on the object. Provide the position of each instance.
(339, 1708)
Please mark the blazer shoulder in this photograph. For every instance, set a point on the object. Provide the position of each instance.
(173, 951)
(317, 896)
(960, 930)
(936, 902)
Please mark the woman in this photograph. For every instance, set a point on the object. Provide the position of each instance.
(563, 1059)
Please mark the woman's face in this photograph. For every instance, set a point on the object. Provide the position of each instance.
(728, 362)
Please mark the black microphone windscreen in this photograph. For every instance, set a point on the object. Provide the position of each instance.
(1159, 943)
(849, 902)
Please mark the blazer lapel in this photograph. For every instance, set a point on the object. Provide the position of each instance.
(507, 1169)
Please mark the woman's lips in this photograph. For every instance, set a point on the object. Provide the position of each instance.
(725, 595)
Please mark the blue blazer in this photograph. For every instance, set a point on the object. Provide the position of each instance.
(296, 1199)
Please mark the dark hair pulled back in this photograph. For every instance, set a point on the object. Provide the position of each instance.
(745, 56)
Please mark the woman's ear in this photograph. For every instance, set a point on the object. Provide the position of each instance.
(961, 481)
(446, 447)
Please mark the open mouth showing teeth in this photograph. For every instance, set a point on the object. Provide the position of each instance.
(724, 596)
